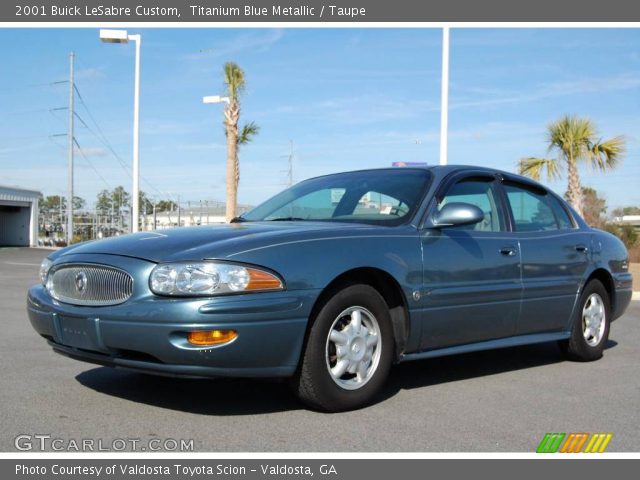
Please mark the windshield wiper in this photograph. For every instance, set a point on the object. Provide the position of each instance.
(286, 219)
(238, 220)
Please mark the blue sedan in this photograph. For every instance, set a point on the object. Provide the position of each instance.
(335, 279)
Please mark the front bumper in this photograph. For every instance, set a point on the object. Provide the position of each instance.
(148, 333)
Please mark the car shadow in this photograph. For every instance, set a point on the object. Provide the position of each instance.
(434, 371)
(239, 396)
(221, 396)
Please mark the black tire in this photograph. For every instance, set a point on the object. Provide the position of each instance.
(314, 383)
(581, 346)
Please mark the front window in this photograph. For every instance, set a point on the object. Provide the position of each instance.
(386, 197)
(481, 193)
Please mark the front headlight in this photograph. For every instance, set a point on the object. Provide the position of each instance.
(44, 270)
(210, 278)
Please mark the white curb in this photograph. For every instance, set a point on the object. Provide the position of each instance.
(635, 296)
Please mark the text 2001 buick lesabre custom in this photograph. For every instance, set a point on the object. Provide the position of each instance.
(338, 277)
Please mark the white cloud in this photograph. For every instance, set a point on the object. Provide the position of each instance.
(91, 152)
(260, 41)
(202, 146)
(89, 73)
(359, 110)
(543, 91)
(167, 127)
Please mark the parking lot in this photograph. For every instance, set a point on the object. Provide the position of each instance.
(503, 400)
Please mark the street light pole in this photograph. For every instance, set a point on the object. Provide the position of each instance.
(444, 100)
(216, 99)
(121, 36)
(71, 147)
(136, 138)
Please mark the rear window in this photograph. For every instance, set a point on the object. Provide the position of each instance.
(535, 210)
(564, 221)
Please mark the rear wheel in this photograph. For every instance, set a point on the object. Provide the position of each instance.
(590, 330)
(348, 353)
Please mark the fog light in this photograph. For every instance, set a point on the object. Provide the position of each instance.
(211, 337)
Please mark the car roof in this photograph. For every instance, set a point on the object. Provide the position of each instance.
(444, 170)
(440, 172)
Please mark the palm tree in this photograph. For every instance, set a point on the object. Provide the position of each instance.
(235, 84)
(575, 140)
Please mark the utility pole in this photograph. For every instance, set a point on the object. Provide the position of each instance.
(61, 214)
(113, 204)
(179, 211)
(154, 216)
(289, 170)
(70, 136)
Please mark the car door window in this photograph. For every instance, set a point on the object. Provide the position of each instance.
(564, 221)
(481, 193)
(531, 209)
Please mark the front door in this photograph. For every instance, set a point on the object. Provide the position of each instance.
(472, 284)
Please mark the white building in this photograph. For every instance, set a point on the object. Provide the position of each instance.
(18, 217)
(188, 217)
(633, 220)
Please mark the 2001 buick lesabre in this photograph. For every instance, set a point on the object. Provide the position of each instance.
(333, 280)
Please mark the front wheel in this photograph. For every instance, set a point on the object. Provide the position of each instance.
(590, 329)
(348, 353)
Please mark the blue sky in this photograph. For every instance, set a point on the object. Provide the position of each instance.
(348, 98)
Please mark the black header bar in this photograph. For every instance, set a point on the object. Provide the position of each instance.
(358, 11)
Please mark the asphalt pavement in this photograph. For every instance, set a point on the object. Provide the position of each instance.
(503, 400)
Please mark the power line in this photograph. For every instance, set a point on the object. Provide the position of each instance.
(98, 132)
(101, 137)
(23, 88)
(90, 163)
(26, 137)
(105, 142)
(26, 112)
(52, 139)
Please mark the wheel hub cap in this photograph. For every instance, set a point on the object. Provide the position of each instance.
(358, 348)
(353, 350)
(593, 319)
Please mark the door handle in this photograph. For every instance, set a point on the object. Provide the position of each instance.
(582, 248)
(508, 251)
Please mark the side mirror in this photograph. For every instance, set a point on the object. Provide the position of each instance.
(457, 213)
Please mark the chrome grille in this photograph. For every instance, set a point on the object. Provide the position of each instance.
(90, 285)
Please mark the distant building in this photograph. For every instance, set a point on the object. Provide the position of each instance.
(633, 220)
(195, 213)
(187, 218)
(18, 217)
(409, 164)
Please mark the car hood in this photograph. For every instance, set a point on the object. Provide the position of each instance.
(215, 241)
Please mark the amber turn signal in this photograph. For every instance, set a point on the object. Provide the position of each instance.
(211, 337)
(259, 280)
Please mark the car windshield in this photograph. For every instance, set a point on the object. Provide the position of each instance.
(387, 197)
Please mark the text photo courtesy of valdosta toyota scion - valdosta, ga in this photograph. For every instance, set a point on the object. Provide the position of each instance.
(278, 239)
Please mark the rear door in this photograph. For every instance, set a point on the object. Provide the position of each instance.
(554, 257)
(472, 284)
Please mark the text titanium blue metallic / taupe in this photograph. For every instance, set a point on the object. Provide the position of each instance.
(331, 281)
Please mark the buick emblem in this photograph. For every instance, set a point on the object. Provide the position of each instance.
(81, 282)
